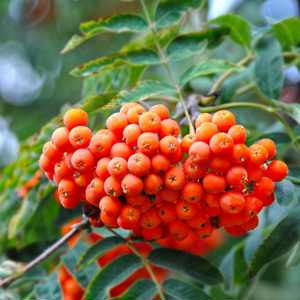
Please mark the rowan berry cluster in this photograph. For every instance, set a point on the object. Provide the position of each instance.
(144, 178)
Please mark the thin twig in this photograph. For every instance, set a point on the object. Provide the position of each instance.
(44, 255)
(145, 262)
(165, 61)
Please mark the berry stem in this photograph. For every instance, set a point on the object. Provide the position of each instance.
(145, 262)
(44, 255)
(166, 62)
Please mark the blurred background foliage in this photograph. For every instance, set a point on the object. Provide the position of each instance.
(35, 85)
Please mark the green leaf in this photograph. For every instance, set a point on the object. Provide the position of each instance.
(240, 30)
(187, 45)
(98, 249)
(179, 290)
(252, 242)
(146, 90)
(70, 261)
(279, 242)
(268, 69)
(285, 192)
(142, 57)
(49, 288)
(116, 24)
(287, 32)
(112, 274)
(292, 109)
(206, 68)
(170, 12)
(143, 289)
(93, 103)
(188, 264)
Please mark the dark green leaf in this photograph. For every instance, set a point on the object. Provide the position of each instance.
(240, 30)
(146, 90)
(285, 192)
(170, 11)
(143, 57)
(143, 289)
(279, 242)
(218, 293)
(49, 288)
(187, 45)
(268, 69)
(70, 261)
(287, 32)
(98, 249)
(93, 103)
(179, 290)
(206, 68)
(112, 274)
(193, 266)
(116, 24)
(292, 109)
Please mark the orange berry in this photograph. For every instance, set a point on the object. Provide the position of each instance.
(131, 134)
(240, 154)
(150, 219)
(125, 107)
(255, 173)
(178, 230)
(75, 117)
(199, 152)
(137, 200)
(192, 192)
(270, 146)
(169, 145)
(185, 210)
(94, 191)
(101, 168)
(238, 133)
(175, 179)
(117, 167)
(161, 110)
(205, 232)
(112, 187)
(169, 195)
(199, 221)
(232, 202)
(258, 154)
(203, 117)
(139, 164)
(160, 164)
(51, 151)
(82, 160)
(219, 165)
(148, 143)
(206, 131)
(117, 122)
(111, 205)
(100, 144)
(187, 142)
(80, 136)
(82, 179)
(277, 170)
(121, 150)
(214, 184)
(221, 144)
(134, 113)
(251, 224)
(169, 127)
(132, 185)
(60, 138)
(236, 231)
(62, 169)
(194, 170)
(46, 164)
(149, 122)
(167, 212)
(224, 119)
(187, 242)
(253, 206)
(264, 187)
(129, 217)
(108, 220)
(152, 184)
(237, 177)
(152, 233)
